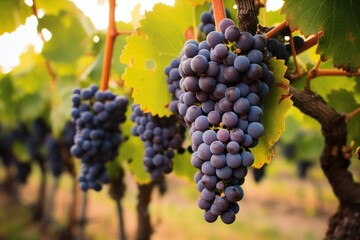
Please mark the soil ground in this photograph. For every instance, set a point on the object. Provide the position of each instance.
(280, 207)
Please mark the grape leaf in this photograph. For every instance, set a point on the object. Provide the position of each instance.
(344, 101)
(313, 142)
(275, 105)
(159, 40)
(12, 14)
(133, 151)
(61, 102)
(64, 47)
(340, 22)
(182, 164)
(7, 93)
(54, 7)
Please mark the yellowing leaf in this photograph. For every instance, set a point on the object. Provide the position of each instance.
(12, 14)
(160, 38)
(145, 76)
(275, 105)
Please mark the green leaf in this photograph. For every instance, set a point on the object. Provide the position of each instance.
(20, 150)
(344, 101)
(146, 78)
(160, 39)
(275, 106)
(313, 142)
(8, 103)
(31, 76)
(61, 103)
(132, 151)
(12, 14)
(340, 22)
(31, 106)
(182, 162)
(54, 7)
(69, 37)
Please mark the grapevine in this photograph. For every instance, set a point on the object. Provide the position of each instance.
(179, 89)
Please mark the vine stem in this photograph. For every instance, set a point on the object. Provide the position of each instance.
(111, 35)
(276, 30)
(82, 220)
(219, 12)
(316, 72)
(50, 207)
(352, 114)
(311, 74)
(293, 52)
(264, 14)
(49, 68)
(121, 228)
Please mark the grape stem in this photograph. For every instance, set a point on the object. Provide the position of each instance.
(219, 12)
(122, 235)
(111, 35)
(352, 114)
(310, 74)
(313, 73)
(276, 30)
(293, 52)
(49, 68)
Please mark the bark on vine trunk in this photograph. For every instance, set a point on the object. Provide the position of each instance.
(346, 221)
(144, 229)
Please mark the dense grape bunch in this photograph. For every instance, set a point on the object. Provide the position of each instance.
(23, 170)
(97, 116)
(53, 155)
(173, 81)
(279, 46)
(223, 80)
(162, 136)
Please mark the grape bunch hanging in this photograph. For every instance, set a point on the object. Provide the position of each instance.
(162, 136)
(97, 116)
(217, 88)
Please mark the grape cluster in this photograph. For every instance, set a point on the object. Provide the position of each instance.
(173, 81)
(279, 46)
(259, 173)
(67, 135)
(23, 170)
(278, 49)
(36, 138)
(223, 80)
(162, 136)
(303, 166)
(97, 116)
(53, 155)
(207, 23)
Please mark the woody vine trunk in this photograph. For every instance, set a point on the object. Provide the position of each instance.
(344, 224)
